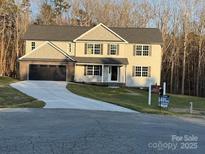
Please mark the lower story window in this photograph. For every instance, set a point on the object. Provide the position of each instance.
(93, 70)
(142, 71)
(89, 70)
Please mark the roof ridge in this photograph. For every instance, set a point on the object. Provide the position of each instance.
(134, 28)
(120, 27)
(61, 26)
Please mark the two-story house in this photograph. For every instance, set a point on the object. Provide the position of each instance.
(99, 54)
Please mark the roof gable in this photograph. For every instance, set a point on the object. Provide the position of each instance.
(100, 33)
(47, 51)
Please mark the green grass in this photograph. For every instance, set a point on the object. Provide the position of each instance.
(12, 98)
(136, 99)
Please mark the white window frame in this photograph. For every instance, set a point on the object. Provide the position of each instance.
(113, 49)
(138, 71)
(142, 51)
(142, 71)
(93, 70)
(93, 48)
(33, 45)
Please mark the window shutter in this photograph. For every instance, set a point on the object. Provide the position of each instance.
(149, 71)
(86, 48)
(133, 71)
(108, 49)
(118, 47)
(150, 50)
(101, 49)
(100, 70)
(134, 52)
(85, 70)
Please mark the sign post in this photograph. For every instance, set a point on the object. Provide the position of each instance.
(191, 108)
(164, 88)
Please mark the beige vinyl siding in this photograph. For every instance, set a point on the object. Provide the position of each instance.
(61, 44)
(81, 47)
(46, 51)
(125, 51)
(100, 34)
(154, 61)
(81, 77)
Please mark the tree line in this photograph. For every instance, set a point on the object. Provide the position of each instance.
(180, 21)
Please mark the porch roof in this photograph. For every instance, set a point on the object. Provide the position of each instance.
(98, 60)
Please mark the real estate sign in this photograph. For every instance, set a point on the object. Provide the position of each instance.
(163, 101)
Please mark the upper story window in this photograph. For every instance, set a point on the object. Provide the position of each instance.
(33, 45)
(93, 48)
(69, 47)
(142, 50)
(141, 71)
(113, 49)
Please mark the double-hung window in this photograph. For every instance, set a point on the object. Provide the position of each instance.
(141, 71)
(97, 49)
(94, 49)
(33, 45)
(89, 70)
(142, 50)
(93, 70)
(113, 49)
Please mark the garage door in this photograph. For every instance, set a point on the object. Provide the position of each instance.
(47, 72)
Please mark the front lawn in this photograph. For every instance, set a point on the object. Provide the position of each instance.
(12, 98)
(137, 99)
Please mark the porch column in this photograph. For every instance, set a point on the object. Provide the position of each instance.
(102, 73)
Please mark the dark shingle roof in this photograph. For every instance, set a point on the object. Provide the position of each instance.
(69, 33)
(101, 60)
(139, 35)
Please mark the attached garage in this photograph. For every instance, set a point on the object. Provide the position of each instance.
(47, 72)
(47, 62)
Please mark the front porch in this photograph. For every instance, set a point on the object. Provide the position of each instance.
(101, 74)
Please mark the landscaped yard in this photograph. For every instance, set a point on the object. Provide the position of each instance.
(12, 98)
(137, 99)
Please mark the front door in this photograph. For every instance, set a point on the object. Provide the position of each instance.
(113, 73)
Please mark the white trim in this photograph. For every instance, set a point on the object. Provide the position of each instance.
(141, 71)
(33, 46)
(110, 44)
(94, 48)
(102, 76)
(33, 50)
(100, 24)
(51, 44)
(149, 45)
(59, 49)
(93, 70)
(120, 65)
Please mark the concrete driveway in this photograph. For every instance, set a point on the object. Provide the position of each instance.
(55, 95)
